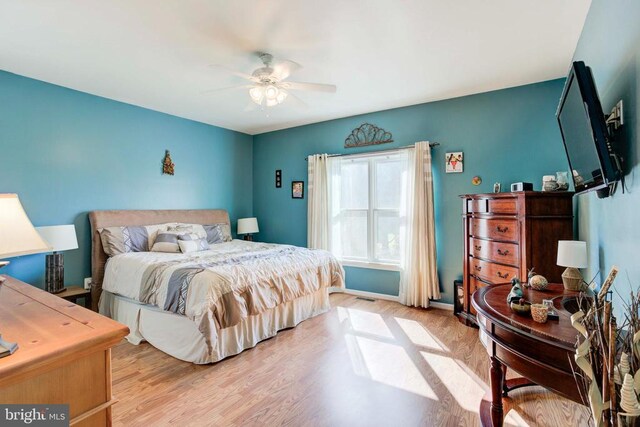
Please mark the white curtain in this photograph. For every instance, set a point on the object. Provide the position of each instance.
(318, 202)
(418, 275)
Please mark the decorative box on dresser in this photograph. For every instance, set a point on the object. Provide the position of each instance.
(64, 354)
(506, 234)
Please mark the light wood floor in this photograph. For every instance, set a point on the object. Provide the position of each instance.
(363, 364)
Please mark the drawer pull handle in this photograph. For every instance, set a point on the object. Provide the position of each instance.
(503, 253)
(502, 229)
(478, 247)
(477, 267)
(503, 276)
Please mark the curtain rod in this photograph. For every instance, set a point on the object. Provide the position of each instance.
(431, 144)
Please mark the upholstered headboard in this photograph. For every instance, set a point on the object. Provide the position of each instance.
(119, 218)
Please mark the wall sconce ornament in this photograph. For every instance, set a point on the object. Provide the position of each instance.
(167, 164)
(367, 134)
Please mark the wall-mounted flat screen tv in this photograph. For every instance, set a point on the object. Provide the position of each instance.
(584, 132)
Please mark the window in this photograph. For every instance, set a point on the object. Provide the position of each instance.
(366, 193)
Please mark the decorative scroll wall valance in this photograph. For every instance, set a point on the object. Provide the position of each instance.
(367, 134)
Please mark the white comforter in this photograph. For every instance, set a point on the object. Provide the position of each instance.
(218, 288)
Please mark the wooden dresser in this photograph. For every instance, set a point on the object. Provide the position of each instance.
(506, 234)
(64, 355)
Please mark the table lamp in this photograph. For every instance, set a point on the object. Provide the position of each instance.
(248, 226)
(573, 255)
(60, 238)
(17, 234)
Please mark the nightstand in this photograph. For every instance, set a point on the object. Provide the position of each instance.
(72, 293)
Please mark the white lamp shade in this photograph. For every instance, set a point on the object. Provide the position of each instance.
(247, 225)
(59, 237)
(17, 235)
(572, 253)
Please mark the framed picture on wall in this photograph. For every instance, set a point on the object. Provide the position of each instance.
(454, 162)
(297, 189)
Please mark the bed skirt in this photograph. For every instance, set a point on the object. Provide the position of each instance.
(179, 337)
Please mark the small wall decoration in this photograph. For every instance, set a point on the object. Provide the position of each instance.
(278, 178)
(496, 187)
(476, 180)
(367, 134)
(454, 162)
(297, 189)
(167, 164)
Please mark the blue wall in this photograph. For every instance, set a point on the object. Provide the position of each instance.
(610, 45)
(66, 153)
(506, 136)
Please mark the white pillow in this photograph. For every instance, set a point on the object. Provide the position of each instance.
(197, 245)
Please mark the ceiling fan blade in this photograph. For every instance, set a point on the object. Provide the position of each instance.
(295, 100)
(283, 68)
(221, 89)
(235, 73)
(315, 87)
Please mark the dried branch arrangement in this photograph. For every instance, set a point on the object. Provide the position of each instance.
(608, 357)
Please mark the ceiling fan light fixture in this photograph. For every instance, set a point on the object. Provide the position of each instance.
(257, 94)
(267, 95)
(268, 86)
(281, 97)
(271, 92)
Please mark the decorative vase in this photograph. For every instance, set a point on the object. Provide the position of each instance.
(628, 399)
(562, 179)
(538, 283)
(549, 183)
(623, 366)
(539, 312)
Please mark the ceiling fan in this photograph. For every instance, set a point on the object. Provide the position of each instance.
(269, 85)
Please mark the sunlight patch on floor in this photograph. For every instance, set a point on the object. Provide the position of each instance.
(365, 322)
(388, 364)
(461, 386)
(358, 363)
(513, 419)
(419, 335)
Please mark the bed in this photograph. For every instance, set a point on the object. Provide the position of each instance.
(204, 306)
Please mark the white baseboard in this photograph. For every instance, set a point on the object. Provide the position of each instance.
(441, 305)
(375, 295)
(366, 294)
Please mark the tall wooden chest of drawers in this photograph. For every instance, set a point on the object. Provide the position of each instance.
(506, 234)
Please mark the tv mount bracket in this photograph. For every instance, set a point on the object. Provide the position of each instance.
(615, 119)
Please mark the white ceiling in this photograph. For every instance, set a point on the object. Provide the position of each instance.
(380, 54)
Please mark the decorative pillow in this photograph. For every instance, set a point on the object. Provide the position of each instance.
(118, 240)
(224, 232)
(194, 245)
(215, 233)
(205, 231)
(189, 229)
(168, 241)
